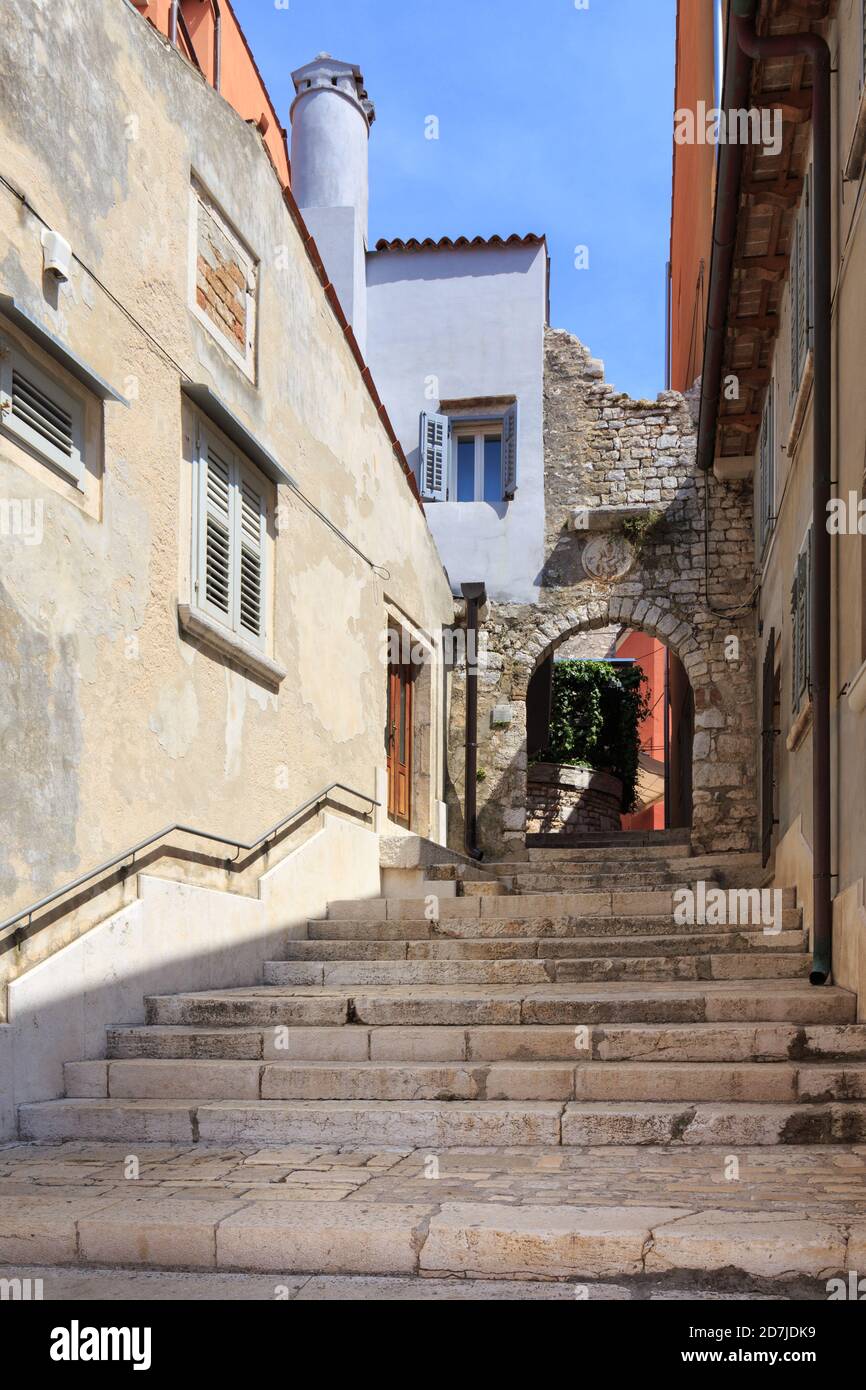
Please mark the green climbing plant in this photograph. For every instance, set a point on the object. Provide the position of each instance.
(637, 528)
(596, 712)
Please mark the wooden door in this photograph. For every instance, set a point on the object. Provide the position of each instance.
(399, 736)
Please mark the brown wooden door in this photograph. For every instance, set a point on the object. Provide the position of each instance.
(399, 736)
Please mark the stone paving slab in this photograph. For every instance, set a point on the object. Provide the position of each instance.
(57, 1283)
(523, 1212)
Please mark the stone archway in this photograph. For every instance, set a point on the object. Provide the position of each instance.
(519, 638)
(633, 536)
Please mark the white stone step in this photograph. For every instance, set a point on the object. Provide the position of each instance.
(151, 1079)
(449, 1124)
(709, 1042)
(368, 947)
(414, 1242)
(769, 964)
(577, 1004)
(472, 928)
(609, 903)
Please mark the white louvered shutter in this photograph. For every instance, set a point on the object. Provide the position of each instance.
(216, 541)
(435, 434)
(509, 451)
(252, 518)
(41, 415)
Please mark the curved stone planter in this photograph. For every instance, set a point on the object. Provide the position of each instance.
(571, 799)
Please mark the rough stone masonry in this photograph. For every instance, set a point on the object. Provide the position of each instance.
(611, 461)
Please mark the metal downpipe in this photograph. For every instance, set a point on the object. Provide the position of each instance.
(475, 595)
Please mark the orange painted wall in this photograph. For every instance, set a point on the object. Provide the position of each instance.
(692, 194)
(650, 654)
(241, 82)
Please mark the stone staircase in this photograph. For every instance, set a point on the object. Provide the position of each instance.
(549, 1010)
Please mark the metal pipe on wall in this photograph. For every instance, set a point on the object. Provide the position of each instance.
(475, 595)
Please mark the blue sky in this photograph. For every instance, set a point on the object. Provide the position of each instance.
(551, 119)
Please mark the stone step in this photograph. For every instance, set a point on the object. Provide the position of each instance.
(574, 853)
(731, 965)
(728, 1123)
(579, 1005)
(662, 1042)
(689, 866)
(407, 972)
(555, 881)
(368, 948)
(427, 1247)
(633, 903)
(383, 1123)
(502, 928)
(593, 839)
(447, 1124)
(653, 1081)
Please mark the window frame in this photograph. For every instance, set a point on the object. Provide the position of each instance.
(800, 276)
(70, 468)
(241, 470)
(801, 626)
(479, 429)
(766, 491)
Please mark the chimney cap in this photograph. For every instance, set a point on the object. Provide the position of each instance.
(326, 72)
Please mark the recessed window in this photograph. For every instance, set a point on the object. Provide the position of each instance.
(224, 280)
(230, 539)
(477, 464)
(40, 414)
(465, 460)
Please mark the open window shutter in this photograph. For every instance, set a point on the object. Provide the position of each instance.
(509, 451)
(435, 431)
(808, 310)
(251, 585)
(216, 548)
(38, 412)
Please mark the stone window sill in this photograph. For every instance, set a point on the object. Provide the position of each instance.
(800, 727)
(857, 691)
(242, 653)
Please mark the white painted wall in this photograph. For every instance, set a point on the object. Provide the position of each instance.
(175, 936)
(474, 319)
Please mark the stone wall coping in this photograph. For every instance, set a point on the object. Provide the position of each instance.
(608, 517)
(585, 778)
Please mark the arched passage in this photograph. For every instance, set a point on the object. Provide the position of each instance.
(610, 732)
(518, 638)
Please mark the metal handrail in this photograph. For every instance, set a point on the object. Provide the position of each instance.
(176, 829)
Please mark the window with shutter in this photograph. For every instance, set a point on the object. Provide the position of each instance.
(509, 451)
(231, 536)
(801, 288)
(800, 624)
(767, 470)
(41, 414)
(434, 448)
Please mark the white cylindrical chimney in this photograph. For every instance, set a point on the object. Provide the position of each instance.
(331, 119)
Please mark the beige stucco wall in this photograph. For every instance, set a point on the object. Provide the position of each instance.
(119, 723)
(794, 511)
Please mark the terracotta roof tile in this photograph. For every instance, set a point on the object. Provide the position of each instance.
(461, 243)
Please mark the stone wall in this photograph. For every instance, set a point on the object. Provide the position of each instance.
(607, 459)
(571, 799)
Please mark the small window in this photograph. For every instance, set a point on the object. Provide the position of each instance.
(464, 460)
(477, 464)
(41, 414)
(801, 604)
(230, 539)
(766, 490)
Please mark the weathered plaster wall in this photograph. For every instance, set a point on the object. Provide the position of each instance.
(603, 449)
(455, 324)
(115, 722)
